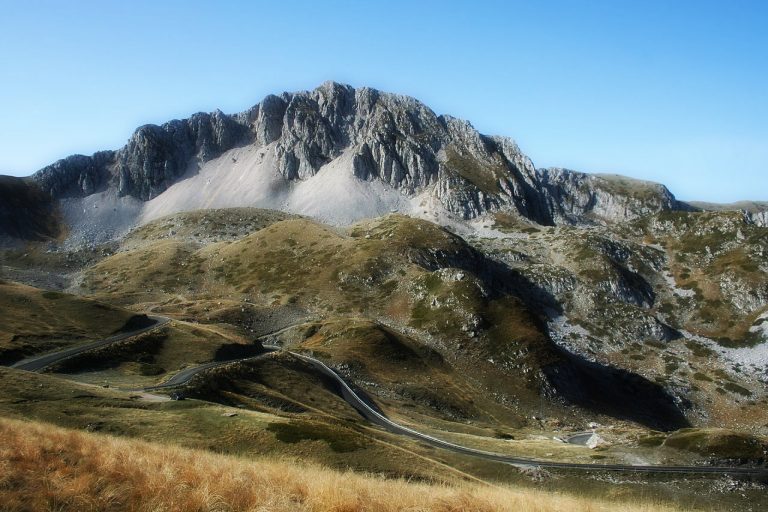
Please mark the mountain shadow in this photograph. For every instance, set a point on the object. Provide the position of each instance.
(26, 212)
(614, 392)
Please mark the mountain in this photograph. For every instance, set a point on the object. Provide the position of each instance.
(336, 153)
(461, 290)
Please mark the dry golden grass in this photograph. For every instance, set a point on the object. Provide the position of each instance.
(48, 468)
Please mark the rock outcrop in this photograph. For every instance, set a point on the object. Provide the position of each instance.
(76, 175)
(757, 218)
(393, 139)
(572, 196)
(156, 156)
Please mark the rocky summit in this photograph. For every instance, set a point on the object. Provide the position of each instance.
(339, 145)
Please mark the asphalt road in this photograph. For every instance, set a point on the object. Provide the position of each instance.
(38, 363)
(185, 375)
(377, 418)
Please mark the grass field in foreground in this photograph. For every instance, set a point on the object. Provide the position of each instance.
(43, 467)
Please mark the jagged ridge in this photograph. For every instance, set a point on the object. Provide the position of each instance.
(393, 139)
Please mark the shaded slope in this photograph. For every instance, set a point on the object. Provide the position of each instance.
(615, 392)
(26, 212)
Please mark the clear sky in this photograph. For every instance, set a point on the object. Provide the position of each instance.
(673, 91)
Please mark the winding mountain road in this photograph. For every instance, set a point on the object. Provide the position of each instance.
(376, 417)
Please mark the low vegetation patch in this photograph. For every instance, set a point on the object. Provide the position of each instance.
(483, 176)
(720, 443)
(339, 439)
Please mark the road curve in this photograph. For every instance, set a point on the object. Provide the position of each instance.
(38, 363)
(352, 398)
(374, 416)
(185, 375)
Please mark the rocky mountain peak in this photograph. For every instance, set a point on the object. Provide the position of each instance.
(394, 140)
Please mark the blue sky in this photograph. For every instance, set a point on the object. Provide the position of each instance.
(671, 91)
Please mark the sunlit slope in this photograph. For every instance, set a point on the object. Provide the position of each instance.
(121, 474)
(399, 271)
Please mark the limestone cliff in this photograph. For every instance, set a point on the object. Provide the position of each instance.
(395, 140)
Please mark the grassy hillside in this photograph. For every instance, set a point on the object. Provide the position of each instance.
(720, 260)
(153, 357)
(203, 226)
(36, 321)
(751, 206)
(407, 273)
(677, 297)
(98, 472)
